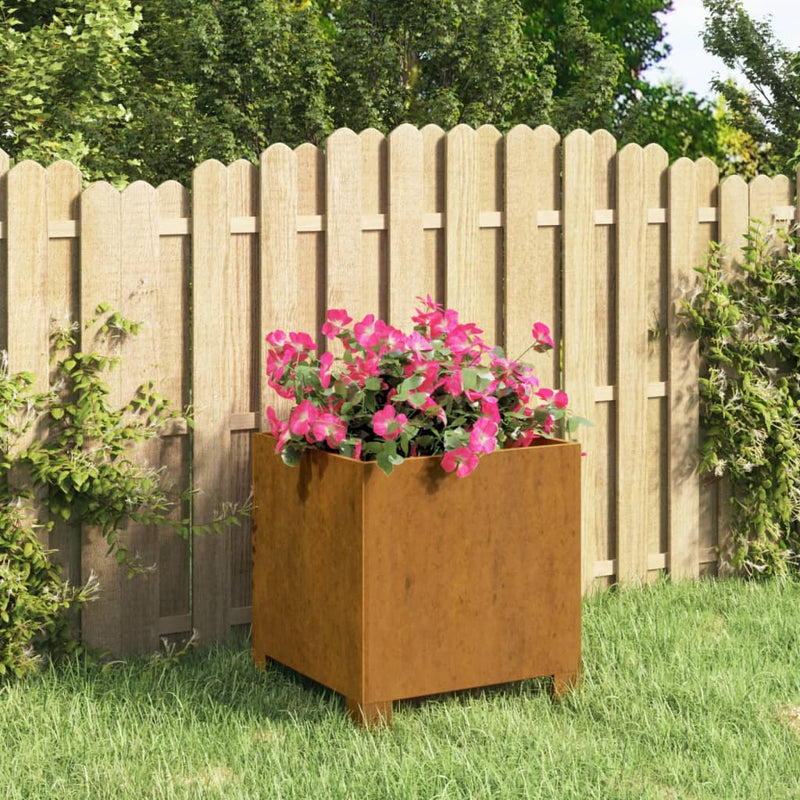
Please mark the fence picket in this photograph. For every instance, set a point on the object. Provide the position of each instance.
(579, 319)
(656, 167)
(281, 291)
(102, 621)
(409, 275)
(345, 280)
(465, 289)
(631, 382)
(603, 415)
(213, 304)
(532, 291)
(173, 382)
(684, 372)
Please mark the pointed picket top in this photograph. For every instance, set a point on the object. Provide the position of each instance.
(432, 130)
(434, 146)
(341, 135)
(100, 189)
(603, 140)
(656, 164)
(405, 131)
(656, 153)
(138, 188)
(374, 148)
(490, 167)
(243, 188)
(63, 170)
(64, 183)
(207, 169)
(782, 190)
(173, 199)
(274, 148)
(760, 192)
(409, 273)
(28, 167)
(304, 149)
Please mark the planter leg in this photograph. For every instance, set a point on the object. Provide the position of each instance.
(368, 715)
(260, 661)
(565, 682)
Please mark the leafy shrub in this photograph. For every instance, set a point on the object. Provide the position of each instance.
(82, 470)
(749, 329)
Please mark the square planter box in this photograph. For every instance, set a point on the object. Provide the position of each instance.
(416, 583)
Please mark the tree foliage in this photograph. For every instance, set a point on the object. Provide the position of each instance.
(448, 62)
(129, 92)
(770, 112)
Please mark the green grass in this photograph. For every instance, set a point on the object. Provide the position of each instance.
(689, 691)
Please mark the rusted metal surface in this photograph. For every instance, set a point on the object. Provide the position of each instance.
(388, 587)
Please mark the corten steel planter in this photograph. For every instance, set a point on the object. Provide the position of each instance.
(389, 587)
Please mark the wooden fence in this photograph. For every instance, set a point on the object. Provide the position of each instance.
(507, 229)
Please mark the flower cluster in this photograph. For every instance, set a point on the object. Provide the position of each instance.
(440, 390)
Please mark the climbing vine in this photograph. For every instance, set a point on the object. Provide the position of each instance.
(748, 325)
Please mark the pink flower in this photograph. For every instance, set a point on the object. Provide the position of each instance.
(452, 383)
(337, 319)
(325, 362)
(561, 400)
(329, 428)
(389, 338)
(277, 339)
(302, 418)
(302, 342)
(366, 333)
(276, 426)
(462, 460)
(525, 438)
(482, 436)
(545, 394)
(489, 409)
(388, 423)
(541, 335)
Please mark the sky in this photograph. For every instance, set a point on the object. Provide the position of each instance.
(691, 65)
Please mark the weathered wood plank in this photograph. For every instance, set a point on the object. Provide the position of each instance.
(579, 315)
(656, 164)
(487, 295)
(604, 190)
(343, 208)
(102, 621)
(282, 295)
(213, 355)
(434, 156)
(631, 357)
(684, 414)
(532, 285)
(409, 274)
(173, 382)
(374, 203)
(464, 284)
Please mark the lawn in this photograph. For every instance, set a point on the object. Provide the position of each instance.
(689, 691)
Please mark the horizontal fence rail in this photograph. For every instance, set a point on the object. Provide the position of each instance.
(600, 243)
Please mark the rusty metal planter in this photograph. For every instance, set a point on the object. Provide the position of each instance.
(389, 587)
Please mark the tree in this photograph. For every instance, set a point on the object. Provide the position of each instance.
(253, 72)
(65, 83)
(770, 112)
(681, 122)
(447, 62)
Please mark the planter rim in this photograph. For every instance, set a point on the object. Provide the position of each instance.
(541, 442)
